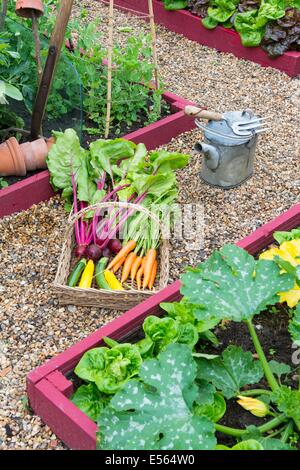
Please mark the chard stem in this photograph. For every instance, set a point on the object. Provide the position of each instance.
(261, 355)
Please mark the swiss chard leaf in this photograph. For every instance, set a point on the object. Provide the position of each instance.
(155, 412)
(64, 158)
(232, 285)
(89, 400)
(106, 153)
(230, 372)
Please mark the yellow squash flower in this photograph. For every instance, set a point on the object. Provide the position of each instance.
(256, 407)
(288, 251)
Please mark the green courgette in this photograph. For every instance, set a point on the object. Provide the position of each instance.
(75, 275)
(99, 274)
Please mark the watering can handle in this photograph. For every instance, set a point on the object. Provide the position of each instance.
(202, 113)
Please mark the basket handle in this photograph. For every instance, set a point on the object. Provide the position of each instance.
(119, 205)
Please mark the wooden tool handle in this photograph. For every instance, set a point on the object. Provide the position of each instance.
(202, 113)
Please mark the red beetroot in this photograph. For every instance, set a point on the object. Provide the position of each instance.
(80, 251)
(114, 246)
(93, 252)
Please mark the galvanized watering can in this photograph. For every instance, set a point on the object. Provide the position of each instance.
(228, 147)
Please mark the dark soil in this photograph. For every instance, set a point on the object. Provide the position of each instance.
(72, 120)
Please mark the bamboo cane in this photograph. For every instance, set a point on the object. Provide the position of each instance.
(109, 65)
(37, 46)
(3, 14)
(153, 40)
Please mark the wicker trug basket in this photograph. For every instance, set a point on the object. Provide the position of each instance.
(95, 297)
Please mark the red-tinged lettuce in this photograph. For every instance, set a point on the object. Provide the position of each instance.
(198, 7)
(283, 35)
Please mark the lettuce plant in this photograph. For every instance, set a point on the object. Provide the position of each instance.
(110, 368)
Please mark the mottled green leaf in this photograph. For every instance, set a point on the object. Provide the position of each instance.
(279, 368)
(231, 284)
(230, 372)
(155, 412)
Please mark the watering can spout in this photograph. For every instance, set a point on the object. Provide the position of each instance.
(211, 154)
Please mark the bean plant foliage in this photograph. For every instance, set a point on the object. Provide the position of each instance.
(168, 391)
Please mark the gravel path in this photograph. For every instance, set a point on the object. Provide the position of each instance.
(33, 327)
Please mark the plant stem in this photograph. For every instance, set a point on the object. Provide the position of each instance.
(288, 431)
(240, 432)
(265, 365)
(255, 391)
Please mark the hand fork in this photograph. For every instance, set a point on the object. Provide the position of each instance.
(243, 128)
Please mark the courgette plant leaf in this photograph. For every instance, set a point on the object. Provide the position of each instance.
(250, 444)
(214, 411)
(232, 285)
(279, 368)
(90, 400)
(288, 401)
(228, 373)
(268, 443)
(155, 412)
(294, 326)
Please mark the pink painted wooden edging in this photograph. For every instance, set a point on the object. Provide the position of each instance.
(22, 195)
(48, 387)
(224, 40)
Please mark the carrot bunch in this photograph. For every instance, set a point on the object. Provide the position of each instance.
(142, 269)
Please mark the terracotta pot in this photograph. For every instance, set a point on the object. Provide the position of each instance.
(25, 8)
(16, 159)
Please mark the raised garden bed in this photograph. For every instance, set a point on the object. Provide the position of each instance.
(34, 189)
(49, 387)
(224, 40)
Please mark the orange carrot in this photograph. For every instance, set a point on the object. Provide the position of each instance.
(153, 275)
(130, 246)
(149, 261)
(135, 266)
(140, 274)
(118, 265)
(127, 266)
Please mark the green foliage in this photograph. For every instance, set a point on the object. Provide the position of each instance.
(268, 443)
(213, 411)
(156, 411)
(230, 372)
(175, 4)
(250, 444)
(279, 368)
(232, 285)
(160, 332)
(3, 183)
(281, 237)
(90, 400)
(294, 326)
(288, 401)
(110, 368)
